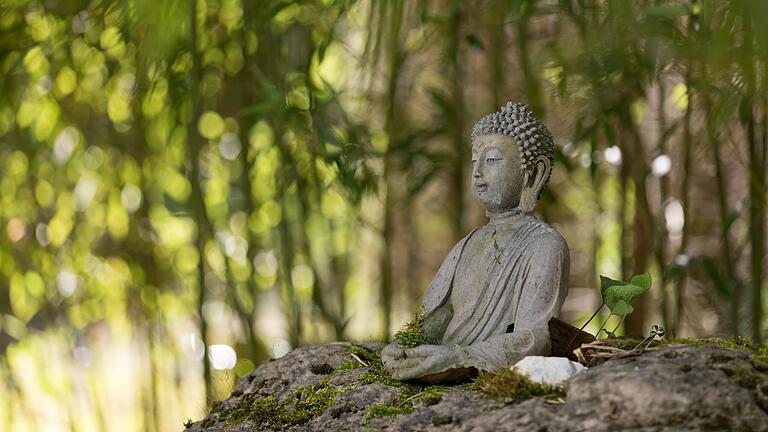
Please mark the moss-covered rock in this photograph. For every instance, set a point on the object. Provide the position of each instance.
(698, 386)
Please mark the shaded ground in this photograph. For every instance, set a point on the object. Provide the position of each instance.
(674, 388)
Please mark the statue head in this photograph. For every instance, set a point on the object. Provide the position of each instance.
(512, 155)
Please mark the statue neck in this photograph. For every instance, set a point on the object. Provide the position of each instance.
(506, 216)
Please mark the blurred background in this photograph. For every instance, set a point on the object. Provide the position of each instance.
(189, 188)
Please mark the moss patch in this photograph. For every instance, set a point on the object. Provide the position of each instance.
(305, 404)
(745, 377)
(378, 410)
(412, 335)
(506, 383)
(321, 369)
(758, 353)
(403, 402)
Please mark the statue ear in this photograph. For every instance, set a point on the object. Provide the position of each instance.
(534, 180)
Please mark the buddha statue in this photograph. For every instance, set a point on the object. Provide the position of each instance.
(491, 300)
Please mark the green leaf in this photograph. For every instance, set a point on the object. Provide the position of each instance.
(619, 295)
(642, 280)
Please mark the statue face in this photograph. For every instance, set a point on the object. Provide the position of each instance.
(497, 177)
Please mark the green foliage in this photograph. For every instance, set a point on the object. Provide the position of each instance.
(619, 295)
(507, 383)
(412, 334)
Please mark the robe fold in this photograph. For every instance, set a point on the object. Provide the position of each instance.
(504, 282)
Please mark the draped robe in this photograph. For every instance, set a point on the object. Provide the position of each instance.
(496, 291)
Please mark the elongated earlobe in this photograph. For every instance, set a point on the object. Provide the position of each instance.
(536, 178)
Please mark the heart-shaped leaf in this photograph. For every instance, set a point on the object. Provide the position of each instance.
(619, 295)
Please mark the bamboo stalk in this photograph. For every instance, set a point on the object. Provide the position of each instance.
(196, 196)
(390, 126)
(685, 200)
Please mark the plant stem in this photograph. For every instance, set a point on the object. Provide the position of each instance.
(602, 326)
(593, 315)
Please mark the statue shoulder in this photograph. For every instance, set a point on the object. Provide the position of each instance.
(549, 239)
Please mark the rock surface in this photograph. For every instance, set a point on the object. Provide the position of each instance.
(675, 388)
(548, 370)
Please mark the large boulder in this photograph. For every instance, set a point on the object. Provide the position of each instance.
(335, 387)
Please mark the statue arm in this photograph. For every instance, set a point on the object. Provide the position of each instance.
(541, 299)
(543, 294)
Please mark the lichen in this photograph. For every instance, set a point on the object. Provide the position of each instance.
(412, 334)
(509, 384)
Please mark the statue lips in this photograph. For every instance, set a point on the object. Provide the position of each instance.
(481, 187)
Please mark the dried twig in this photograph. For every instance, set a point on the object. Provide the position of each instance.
(359, 359)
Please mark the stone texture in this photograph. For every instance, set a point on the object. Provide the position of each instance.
(676, 388)
(548, 370)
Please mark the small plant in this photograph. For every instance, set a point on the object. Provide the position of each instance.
(618, 296)
(656, 331)
(412, 335)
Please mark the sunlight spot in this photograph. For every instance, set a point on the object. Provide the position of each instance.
(130, 198)
(64, 145)
(680, 96)
(265, 264)
(302, 277)
(15, 230)
(613, 155)
(67, 282)
(210, 125)
(235, 247)
(674, 215)
(222, 357)
(229, 146)
(41, 233)
(682, 260)
(85, 190)
(192, 344)
(661, 165)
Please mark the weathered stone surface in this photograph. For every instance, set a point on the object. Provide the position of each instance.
(676, 388)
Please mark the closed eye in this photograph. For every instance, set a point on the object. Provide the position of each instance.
(491, 159)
